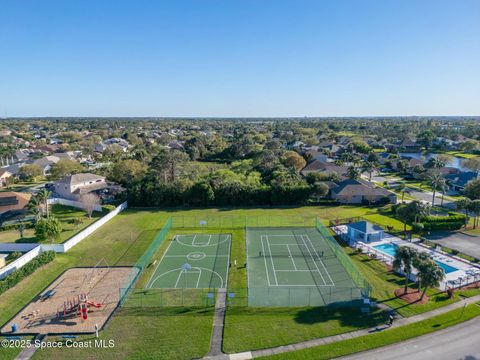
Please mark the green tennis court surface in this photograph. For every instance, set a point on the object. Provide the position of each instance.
(295, 267)
(197, 261)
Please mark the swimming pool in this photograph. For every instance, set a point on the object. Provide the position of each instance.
(391, 249)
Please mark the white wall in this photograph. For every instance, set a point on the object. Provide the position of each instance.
(21, 261)
(35, 249)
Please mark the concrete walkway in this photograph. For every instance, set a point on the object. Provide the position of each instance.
(218, 321)
(27, 353)
(331, 339)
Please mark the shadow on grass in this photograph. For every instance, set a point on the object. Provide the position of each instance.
(349, 317)
(26, 240)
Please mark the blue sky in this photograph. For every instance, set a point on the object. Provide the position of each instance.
(239, 58)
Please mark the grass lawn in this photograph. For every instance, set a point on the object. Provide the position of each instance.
(22, 186)
(66, 215)
(257, 328)
(461, 154)
(153, 333)
(387, 337)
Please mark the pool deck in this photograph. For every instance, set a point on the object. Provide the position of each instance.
(463, 274)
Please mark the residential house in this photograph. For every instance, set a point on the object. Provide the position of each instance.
(13, 201)
(315, 154)
(73, 186)
(353, 191)
(5, 176)
(45, 163)
(318, 166)
(102, 146)
(458, 181)
(410, 145)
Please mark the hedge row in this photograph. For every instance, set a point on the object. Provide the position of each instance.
(452, 217)
(18, 275)
(443, 225)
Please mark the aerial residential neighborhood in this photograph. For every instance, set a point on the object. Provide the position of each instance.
(235, 180)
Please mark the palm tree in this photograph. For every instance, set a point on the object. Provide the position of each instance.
(404, 258)
(442, 186)
(369, 167)
(43, 197)
(431, 275)
(420, 262)
(34, 206)
(418, 209)
(434, 180)
(353, 172)
(464, 204)
(474, 207)
(402, 188)
(405, 215)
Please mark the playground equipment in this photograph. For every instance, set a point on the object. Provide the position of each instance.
(78, 306)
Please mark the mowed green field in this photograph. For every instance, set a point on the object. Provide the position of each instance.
(157, 332)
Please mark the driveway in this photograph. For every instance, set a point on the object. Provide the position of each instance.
(467, 244)
(457, 342)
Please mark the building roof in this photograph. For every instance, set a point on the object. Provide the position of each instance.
(76, 179)
(462, 178)
(323, 166)
(365, 227)
(10, 200)
(359, 187)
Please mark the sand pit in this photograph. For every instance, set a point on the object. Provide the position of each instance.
(99, 286)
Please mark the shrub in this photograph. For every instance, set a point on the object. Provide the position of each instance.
(15, 277)
(14, 255)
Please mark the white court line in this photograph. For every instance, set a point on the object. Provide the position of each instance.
(193, 241)
(178, 278)
(303, 240)
(271, 259)
(209, 239)
(265, 259)
(168, 256)
(291, 257)
(198, 279)
(293, 270)
(156, 267)
(228, 238)
(321, 262)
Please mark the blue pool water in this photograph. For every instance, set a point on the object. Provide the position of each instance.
(391, 249)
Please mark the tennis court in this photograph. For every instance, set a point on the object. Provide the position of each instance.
(295, 267)
(193, 261)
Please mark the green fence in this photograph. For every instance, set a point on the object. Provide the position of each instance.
(144, 261)
(170, 297)
(239, 222)
(344, 259)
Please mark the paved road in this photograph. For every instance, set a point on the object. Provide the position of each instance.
(467, 244)
(457, 342)
(427, 196)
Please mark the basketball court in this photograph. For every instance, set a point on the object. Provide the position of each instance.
(193, 261)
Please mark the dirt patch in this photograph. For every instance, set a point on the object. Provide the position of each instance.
(96, 289)
(412, 296)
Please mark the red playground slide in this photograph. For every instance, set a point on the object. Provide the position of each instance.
(91, 303)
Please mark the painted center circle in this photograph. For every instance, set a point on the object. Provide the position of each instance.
(196, 256)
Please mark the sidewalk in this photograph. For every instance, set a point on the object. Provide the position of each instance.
(331, 339)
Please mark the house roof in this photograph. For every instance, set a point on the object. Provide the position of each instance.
(461, 179)
(365, 227)
(359, 187)
(79, 178)
(320, 166)
(10, 200)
